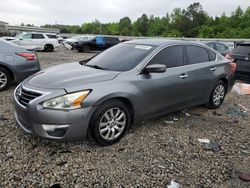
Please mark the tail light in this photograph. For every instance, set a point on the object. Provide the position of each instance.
(229, 57)
(28, 56)
(233, 66)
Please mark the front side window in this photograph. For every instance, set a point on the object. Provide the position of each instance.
(27, 36)
(37, 36)
(122, 57)
(171, 57)
(196, 54)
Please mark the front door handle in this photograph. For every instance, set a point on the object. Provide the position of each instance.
(213, 68)
(183, 76)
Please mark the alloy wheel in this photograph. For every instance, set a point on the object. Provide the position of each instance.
(112, 123)
(3, 79)
(219, 94)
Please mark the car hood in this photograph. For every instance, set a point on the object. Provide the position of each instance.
(69, 75)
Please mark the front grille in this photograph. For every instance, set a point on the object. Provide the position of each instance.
(25, 96)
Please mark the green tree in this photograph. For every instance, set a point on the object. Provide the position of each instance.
(125, 26)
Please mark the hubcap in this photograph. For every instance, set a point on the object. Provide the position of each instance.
(3, 79)
(112, 123)
(219, 93)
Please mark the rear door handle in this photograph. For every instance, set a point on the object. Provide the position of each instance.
(213, 68)
(183, 76)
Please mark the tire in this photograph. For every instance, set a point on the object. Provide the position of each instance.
(217, 95)
(106, 128)
(5, 79)
(48, 48)
(85, 48)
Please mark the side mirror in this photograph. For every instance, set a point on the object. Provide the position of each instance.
(155, 68)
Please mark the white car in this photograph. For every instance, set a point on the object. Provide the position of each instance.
(38, 41)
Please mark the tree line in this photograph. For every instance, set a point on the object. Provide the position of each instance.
(190, 22)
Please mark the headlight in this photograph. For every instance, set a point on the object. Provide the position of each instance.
(67, 102)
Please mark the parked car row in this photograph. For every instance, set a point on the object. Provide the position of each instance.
(87, 43)
(36, 41)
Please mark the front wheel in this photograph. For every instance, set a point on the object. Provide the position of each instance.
(217, 95)
(110, 122)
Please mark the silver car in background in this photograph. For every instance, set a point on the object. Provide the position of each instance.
(16, 63)
(101, 97)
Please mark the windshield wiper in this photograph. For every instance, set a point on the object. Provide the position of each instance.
(94, 66)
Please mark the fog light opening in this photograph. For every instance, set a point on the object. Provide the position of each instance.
(56, 130)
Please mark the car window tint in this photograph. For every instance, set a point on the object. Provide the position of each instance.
(52, 36)
(37, 36)
(196, 54)
(220, 47)
(122, 57)
(27, 36)
(170, 56)
(242, 49)
(212, 55)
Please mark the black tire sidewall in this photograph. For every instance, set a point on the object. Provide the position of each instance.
(211, 101)
(96, 118)
(48, 48)
(8, 78)
(85, 48)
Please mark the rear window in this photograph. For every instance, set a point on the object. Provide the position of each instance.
(196, 54)
(242, 49)
(52, 36)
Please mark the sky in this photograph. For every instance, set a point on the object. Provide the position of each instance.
(76, 12)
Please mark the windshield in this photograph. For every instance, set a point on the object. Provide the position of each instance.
(122, 57)
(19, 35)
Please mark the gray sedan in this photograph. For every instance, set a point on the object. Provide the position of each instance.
(101, 97)
(16, 63)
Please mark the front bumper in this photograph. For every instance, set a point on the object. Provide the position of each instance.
(34, 119)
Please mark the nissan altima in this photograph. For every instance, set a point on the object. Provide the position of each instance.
(102, 96)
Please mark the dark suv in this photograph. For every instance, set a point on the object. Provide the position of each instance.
(95, 43)
(241, 56)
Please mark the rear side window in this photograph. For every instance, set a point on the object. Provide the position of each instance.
(242, 49)
(170, 56)
(37, 36)
(52, 36)
(196, 54)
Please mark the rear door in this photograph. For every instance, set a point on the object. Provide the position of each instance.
(202, 71)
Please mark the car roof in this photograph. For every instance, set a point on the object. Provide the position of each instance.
(160, 42)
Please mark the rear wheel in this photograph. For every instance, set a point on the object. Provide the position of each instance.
(48, 48)
(217, 95)
(4, 79)
(85, 48)
(110, 122)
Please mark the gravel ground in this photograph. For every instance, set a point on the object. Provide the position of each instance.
(152, 154)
